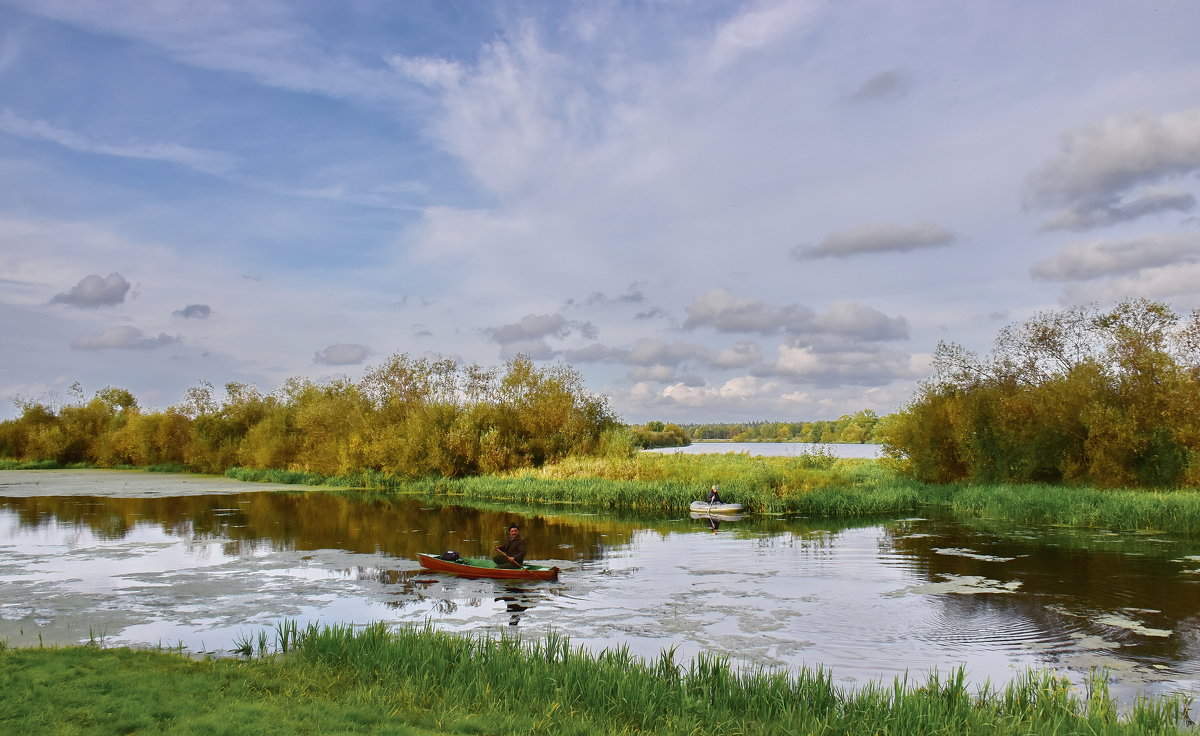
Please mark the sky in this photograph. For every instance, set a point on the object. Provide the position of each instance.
(714, 211)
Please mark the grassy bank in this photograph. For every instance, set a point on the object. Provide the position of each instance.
(817, 485)
(418, 681)
(810, 485)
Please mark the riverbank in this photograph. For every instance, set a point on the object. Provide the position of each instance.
(417, 681)
(813, 485)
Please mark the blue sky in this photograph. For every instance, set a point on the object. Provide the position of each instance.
(715, 211)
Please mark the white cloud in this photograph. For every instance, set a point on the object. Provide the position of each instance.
(1176, 282)
(1097, 259)
(1099, 162)
(739, 355)
(538, 326)
(877, 238)
(760, 25)
(93, 291)
(123, 338)
(430, 72)
(862, 366)
(645, 351)
(1091, 216)
(722, 310)
(211, 162)
(342, 353)
(860, 322)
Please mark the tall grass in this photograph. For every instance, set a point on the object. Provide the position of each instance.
(818, 486)
(1128, 509)
(338, 679)
(547, 685)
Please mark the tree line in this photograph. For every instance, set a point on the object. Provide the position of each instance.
(409, 417)
(850, 428)
(1109, 398)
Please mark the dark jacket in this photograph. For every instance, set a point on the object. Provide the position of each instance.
(515, 548)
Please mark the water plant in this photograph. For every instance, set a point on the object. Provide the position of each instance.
(415, 680)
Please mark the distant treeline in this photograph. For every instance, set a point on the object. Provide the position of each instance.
(850, 428)
(407, 418)
(1081, 396)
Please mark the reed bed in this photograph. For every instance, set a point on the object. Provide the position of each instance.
(546, 685)
(417, 681)
(817, 486)
(1127, 509)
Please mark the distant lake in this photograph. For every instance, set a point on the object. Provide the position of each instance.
(776, 449)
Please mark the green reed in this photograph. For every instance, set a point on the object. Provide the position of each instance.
(351, 680)
(1126, 509)
(556, 685)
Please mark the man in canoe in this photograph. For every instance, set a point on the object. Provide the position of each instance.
(714, 495)
(512, 554)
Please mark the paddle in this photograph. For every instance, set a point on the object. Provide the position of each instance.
(519, 565)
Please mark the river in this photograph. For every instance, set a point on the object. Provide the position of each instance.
(127, 558)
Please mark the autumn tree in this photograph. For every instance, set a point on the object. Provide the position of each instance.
(1079, 395)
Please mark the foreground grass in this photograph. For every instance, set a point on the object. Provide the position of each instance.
(418, 681)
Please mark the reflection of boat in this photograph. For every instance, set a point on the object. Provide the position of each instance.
(474, 567)
(718, 517)
(716, 508)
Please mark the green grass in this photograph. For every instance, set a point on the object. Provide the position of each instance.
(340, 680)
(1128, 509)
(810, 485)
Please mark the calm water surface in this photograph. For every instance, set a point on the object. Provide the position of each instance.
(133, 558)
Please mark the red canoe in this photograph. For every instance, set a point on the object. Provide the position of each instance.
(469, 567)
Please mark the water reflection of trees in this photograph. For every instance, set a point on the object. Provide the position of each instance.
(1068, 579)
(401, 526)
(251, 523)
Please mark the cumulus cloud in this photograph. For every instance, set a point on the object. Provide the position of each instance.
(1099, 162)
(738, 355)
(123, 338)
(1091, 216)
(721, 310)
(528, 335)
(1178, 281)
(1097, 259)
(93, 291)
(877, 238)
(860, 322)
(725, 312)
(193, 311)
(862, 366)
(644, 352)
(662, 374)
(886, 85)
(342, 353)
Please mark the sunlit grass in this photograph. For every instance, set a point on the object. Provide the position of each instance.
(818, 486)
(1129, 509)
(340, 679)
